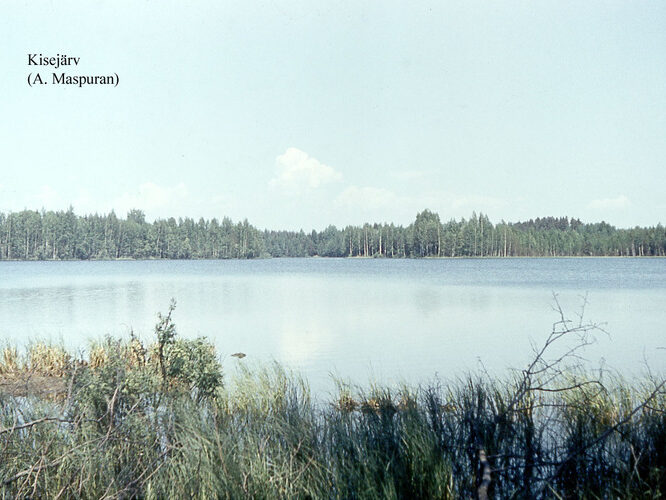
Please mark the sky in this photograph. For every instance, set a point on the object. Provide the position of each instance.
(298, 114)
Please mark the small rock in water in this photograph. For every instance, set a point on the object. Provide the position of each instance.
(239, 355)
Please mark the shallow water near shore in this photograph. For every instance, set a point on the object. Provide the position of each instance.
(358, 319)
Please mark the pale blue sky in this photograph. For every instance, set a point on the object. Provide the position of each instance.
(301, 114)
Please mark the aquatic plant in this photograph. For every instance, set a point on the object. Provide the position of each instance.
(156, 421)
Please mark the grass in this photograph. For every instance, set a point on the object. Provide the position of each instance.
(160, 421)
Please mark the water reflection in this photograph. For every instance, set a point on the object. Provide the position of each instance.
(393, 319)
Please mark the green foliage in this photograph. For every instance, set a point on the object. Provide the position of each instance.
(193, 364)
(185, 364)
(157, 422)
(63, 235)
(263, 436)
(166, 334)
(122, 434)
(427, 234)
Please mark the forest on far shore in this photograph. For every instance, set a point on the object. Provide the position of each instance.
(64, 235)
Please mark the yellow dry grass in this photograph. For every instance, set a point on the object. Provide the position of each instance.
(48, 360)
(98, 357)
(10, 362)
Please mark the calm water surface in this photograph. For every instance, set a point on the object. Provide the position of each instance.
(362, 320)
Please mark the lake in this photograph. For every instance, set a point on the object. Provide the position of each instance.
(359, 319)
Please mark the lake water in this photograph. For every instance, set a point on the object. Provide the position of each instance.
(359, 319)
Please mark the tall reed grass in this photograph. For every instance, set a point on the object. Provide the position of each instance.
(137, 421)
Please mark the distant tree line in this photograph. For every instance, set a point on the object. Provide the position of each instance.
(49, 235)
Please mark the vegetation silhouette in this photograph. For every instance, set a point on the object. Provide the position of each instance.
(33, 235)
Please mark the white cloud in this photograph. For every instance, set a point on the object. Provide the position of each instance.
(151, 197)
(366, 198)
(298, 172)
(619, 202)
